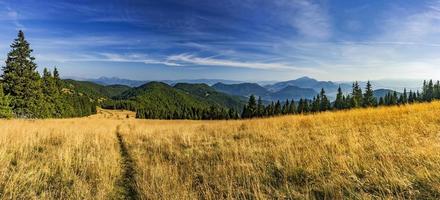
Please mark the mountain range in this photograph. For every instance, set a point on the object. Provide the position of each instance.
(136, 83)
(248, 89)
(153, 95)
(226, 93)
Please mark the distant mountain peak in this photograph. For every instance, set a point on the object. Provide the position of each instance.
(305, 78)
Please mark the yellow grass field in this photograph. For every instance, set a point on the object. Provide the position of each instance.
(379, 153)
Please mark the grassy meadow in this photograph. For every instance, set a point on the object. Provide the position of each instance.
(377, 153)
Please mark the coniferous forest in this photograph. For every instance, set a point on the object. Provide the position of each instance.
(24, 93)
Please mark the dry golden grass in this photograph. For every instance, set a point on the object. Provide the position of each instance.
(58, 159)
(360, 154)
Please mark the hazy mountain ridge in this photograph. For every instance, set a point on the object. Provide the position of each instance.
(242, 89)
(304, 87)
(136, 83)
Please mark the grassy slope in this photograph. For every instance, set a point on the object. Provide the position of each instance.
(374, 153)
(58, 159)
(369, 153)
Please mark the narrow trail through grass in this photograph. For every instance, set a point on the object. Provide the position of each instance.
(127, 182)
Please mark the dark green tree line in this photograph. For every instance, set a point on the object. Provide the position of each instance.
(355, 99)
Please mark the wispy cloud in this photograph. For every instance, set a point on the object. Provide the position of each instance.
(309, 18)
(420, 26)
(188, 59)
(105, 57)
(312, 20)
(135, 58)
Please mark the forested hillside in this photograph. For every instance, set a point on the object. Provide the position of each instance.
(205, 93)
(242, 89)
(96, 90)
(156, 100)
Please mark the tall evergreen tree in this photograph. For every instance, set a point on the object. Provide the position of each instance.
(437, 90)
(368, 98)
(403, 97)
(292, 107)
(21, 80)
(277, 108)
(301, 106)
(250, 110)
(325, 103)
(428, 91)
(339, 102)
(356, 95)
(316, 103)
(394, 98)
(411, 97)
(252, 106)
(56, 77)
(286, 107)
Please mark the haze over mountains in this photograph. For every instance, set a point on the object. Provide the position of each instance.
(304, 87)
(136, 83)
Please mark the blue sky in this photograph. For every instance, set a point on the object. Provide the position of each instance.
(229, 39)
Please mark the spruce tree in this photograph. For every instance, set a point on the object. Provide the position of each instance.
(324, 103)
(356, 99)
(339, 102)
(56, 77)
(286, 107)
(368, 98)
(21, 80)
(410, 97)
(404, 97)
(300, 108)
(427, 91)
(292, 107)
(437, 90)
(430, 90)
(277, 109)
(307, 106)
(316, 104)
(271, 109)
(252, 106)
(393, 98)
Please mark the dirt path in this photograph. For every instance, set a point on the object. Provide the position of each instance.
(127, 183)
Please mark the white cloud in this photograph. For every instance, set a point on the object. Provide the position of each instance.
(139, 58)
(188, 59)
(312, 20)
(104, 57)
